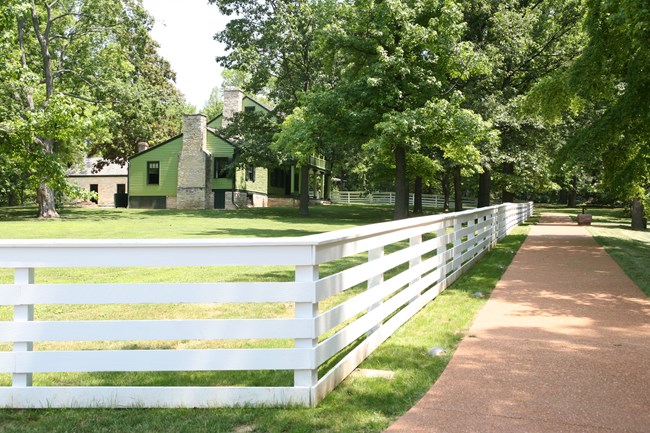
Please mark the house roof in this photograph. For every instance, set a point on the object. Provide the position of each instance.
(210, 129)
(87, 168)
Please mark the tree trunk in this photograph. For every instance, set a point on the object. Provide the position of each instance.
(44, 193)
(572, 195)
(637, 214)
(446, 191)
(484, 185)
(304, 190)
(458, 191)
(417, 196)
(401, 184)
(507, 196)
(45, 199)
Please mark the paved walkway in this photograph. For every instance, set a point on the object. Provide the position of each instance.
(563, 345)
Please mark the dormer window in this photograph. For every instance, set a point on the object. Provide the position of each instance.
(249, 108)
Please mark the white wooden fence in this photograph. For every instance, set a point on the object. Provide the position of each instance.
(428, 200)
(435, 250)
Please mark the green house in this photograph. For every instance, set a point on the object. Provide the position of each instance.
(189, 170)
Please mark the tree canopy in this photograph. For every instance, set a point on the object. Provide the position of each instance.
(607, 88)
(526, 96)
(81, 77)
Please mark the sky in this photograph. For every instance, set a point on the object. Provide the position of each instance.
(185, 31)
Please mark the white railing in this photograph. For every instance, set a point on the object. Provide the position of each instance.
(435, 250)
(428, 200)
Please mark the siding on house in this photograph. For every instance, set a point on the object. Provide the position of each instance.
(167, 154)
(248, 102)
(219, 148)
(261, 181)
(216, 122)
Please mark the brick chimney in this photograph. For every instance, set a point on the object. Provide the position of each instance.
(193, 190)
(232, 103)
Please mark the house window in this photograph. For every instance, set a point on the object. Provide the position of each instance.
(153, 172)
(250, 174)
(250, 108)
(121, 188)
(220, 168)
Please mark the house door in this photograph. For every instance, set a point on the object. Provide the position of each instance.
(287, 182)
(219, 198)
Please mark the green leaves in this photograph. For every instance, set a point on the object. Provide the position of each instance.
(84, 76)
(607, 87)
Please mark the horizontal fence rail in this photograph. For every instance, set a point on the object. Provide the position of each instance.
(398, 268)
(428, 200)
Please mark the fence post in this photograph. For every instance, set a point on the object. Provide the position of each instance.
(23, 313)
(494, 214)
(306, 310)
(470, 223)
(374, 254)
(503, 218)
(455, 264)
(415, 240)
(441, 233)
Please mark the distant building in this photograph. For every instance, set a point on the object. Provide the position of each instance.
(110, 180)
(190, 171)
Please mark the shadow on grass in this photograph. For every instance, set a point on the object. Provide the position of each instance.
(255, 233)
(632, 255)
(333, 214)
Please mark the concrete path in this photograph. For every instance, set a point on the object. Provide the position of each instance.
(563, 345)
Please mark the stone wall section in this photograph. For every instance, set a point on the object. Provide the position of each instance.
(282, 202)
(194, 189)
(236, 200)
(106, 186)
(260, 200)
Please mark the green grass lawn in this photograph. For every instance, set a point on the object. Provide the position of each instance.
(630, 248)
(98, 223)
(359, 404)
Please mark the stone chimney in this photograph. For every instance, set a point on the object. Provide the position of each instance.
(142, 146)
(232, 103)
(193, 190)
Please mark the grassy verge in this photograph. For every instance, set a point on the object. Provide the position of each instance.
(359, 404)
(629, 248)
